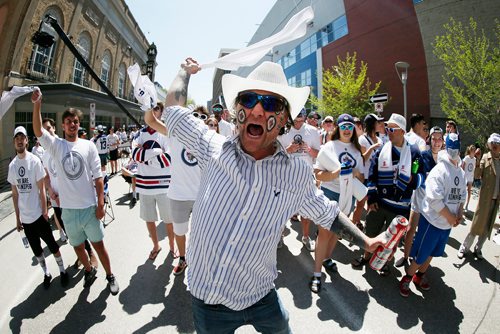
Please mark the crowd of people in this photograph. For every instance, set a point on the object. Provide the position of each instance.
(263, 154)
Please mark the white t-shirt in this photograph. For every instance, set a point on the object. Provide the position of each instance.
(307, 134)
(50, 166)
(366, 143)
(77, 166)
(113, 141)
(346, 152)
(38, 151)
(186, 173)
(469, 166)
(101, 142)
(24, 174)
(226, 129)
(413, 139)
(444, 186)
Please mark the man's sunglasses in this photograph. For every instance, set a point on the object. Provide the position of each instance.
(392, 130)
(344, 127)
(201, 116)
(217, 109)
(270, 103)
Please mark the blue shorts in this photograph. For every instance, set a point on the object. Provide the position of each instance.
(429, 241)
(334, 196)
(82, 224)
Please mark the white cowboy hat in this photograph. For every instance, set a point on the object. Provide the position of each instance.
(270, 77)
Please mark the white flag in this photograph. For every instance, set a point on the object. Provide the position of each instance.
(144, 89)
(8, 97)
(294, 29)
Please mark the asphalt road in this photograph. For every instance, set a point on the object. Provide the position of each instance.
(464, 297)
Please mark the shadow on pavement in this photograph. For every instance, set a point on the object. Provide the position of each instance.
(435, 308)
(92, 311)
(40, 299)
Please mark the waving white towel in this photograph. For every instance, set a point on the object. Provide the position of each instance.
(294, 29)
(8, 97)
(144, 89)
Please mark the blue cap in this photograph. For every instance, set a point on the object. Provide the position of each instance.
(345, 118)
(302, 113)
(453, 141)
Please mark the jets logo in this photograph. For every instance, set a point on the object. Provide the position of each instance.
(188, 158)
(456, 181)
(347, 159)
(21, 171)
(72, 164)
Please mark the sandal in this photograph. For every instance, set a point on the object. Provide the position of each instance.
(153, 254)
(359, 262)
(174, 254)
(330, 265)
(315, 284)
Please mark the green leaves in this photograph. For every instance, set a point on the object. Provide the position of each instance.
(471, 94)
(346, 89)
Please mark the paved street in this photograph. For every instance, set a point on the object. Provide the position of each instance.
(464, 296)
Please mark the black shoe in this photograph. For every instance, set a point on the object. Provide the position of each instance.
(133, 201)
(64, 279)
(113, 285)
(315, 284)
(90, 277)
(46, 281)
(330, 266)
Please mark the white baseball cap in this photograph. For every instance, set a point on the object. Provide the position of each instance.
(398, 120)
(20, 129)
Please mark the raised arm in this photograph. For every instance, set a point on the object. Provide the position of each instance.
(177, 93)
(36, 98)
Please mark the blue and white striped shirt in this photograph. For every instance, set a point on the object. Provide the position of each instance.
(232, 251)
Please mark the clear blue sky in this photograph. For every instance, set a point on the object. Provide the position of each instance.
(198, 29)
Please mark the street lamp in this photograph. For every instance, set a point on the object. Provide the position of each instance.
(402, 71)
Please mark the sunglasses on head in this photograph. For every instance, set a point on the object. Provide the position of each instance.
(270, 103)
(217, 109)
(201, 116)
(344, 127)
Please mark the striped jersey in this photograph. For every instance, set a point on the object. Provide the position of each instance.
(150, 152)
(232, 250)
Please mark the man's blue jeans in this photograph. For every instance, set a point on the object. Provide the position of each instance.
(267, 316)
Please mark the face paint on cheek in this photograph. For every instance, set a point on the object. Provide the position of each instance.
(242, 116)
(271, 123)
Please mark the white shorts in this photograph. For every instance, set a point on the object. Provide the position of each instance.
(149, 203)
(180, 211)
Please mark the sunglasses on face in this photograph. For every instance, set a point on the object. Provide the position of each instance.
(156, 108)
(270, 103)
(391, 130)
(344, 127)
(201, 116)
(328, 121)
(217, 109)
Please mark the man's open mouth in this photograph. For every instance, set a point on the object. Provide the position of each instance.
(255, 130)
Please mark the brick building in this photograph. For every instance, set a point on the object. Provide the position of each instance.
(105, 33)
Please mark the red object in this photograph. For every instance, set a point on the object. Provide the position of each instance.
(392, 236)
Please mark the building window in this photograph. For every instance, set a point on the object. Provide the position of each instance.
(306, 49)
(121, 81)
(79, 72)
(290, 59)
(340, 27)
(106, 67)
(25, 119)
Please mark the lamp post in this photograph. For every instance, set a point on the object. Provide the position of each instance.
(402, 71)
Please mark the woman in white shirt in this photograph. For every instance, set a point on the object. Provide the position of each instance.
(468, 165)
(344, 145)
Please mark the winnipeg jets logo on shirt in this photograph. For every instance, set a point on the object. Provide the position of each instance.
(457, 180)
(470, 167)
(21, 171)
(72, 164)
(347, 159)
(188, 158)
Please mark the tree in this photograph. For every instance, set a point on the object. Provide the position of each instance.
(346, 89)
(471, 92)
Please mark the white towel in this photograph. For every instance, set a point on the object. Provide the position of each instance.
(331, 162)
(144, 89)
(294, 29)
(8, 97)
(403, 173)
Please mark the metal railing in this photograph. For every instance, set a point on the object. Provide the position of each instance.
(40, 71)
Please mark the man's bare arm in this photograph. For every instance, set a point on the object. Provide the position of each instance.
(178, 91)
(36, 98)
(343, 227)
(155, 123)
